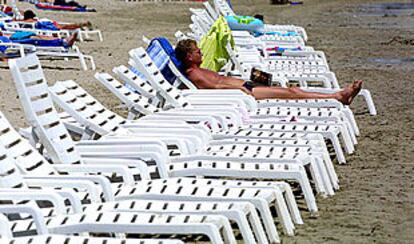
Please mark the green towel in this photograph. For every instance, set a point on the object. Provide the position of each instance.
(213, 45)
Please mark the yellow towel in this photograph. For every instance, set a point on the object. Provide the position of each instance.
(213, 45)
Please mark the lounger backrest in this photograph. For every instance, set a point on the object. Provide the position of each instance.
(28, 159)
(131, 99)
(203, 14)
(213, 13)
(223, 7)
(137, 83)
(145, 65)
(39, 110)
(202, 24)
(10, 176)
(85, 109)
(197, 30)
(162, 59)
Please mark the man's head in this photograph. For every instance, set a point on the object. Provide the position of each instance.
(28, 14)
(188, 53)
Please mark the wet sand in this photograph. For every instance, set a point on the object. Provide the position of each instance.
(362, 41)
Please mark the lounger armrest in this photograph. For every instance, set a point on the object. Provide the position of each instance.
(183, 145)
(132, 158)
(220, 112)
(208, 118)
(136, 163)
(94, 167)
(101, 181)
(165, 117)
(132, 151)
(304, 53)
(187, 140)
(55, 199)
(60, 182)
(36, 214)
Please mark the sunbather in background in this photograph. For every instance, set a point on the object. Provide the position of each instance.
(64, 3)
(191, 57)
(46, 24)
(38, 40)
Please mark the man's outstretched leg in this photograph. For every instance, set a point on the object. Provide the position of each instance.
(345, 96)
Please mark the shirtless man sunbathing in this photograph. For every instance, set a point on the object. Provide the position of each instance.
(191, 57)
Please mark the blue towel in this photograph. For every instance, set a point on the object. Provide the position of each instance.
(4, 39)
(276, 33)
(43, 43)
(159, 50)
(20, 35)
(46, 25)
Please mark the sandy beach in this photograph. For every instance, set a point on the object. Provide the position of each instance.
(361, 41)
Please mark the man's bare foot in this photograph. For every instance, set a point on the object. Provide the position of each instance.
(347, 95)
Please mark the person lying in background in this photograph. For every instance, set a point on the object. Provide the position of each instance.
(191, 57)
(63, 3)
(46, 24)
(26, 37)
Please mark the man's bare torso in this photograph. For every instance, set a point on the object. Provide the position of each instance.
(207, 79)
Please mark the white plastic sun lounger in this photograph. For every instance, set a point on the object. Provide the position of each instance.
(222, 7)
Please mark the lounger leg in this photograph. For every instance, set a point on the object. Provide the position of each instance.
(337, 146)
(325, 176)
(228, 232)
(316, 176)
(351, 118)
(291, 203)
(370, 102)
(351, 132)
(100, 36)
(303, 180)
(256, 224)
(243, 225)
(324, 155)
(348, 144)
(282, 212)
(266, 216)
(82, 62)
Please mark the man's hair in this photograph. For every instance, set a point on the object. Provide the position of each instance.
(183, 48)
(28, 14)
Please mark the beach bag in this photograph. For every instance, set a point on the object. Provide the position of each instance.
(245, 23)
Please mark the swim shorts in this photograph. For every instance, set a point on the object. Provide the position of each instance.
(248, 85)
